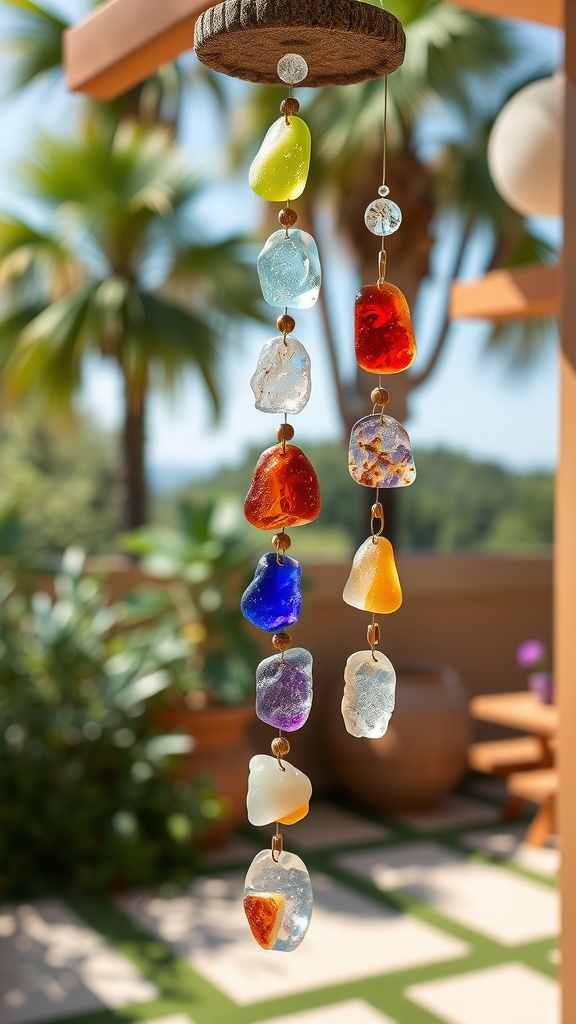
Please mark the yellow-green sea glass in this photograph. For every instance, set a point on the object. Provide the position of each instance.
(373, 584)
(280, 168)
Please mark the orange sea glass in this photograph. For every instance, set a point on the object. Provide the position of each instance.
(383, 334)
(284, 490)
(264, 912)
(373, 584)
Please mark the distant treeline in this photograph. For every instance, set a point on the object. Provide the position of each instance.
(455, 503)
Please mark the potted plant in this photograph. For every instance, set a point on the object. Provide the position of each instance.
(195, 573)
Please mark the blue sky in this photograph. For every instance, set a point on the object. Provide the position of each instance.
(473, 403)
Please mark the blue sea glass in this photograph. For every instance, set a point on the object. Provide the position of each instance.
(289, 269)
(273, 599)
(284, 689)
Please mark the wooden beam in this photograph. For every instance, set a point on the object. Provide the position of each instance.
(547, 12)
(508, 294)
(125, 41)
(565, 545)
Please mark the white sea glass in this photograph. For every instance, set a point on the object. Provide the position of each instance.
(278, 900)
(281, 381)
(369, 694)
(277, 791)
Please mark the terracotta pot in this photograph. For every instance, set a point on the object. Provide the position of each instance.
(424, 752)
(221, 754)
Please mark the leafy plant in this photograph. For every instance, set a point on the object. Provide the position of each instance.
(202, 563)
(86, 797)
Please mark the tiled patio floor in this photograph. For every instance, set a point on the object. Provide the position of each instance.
(445, 918)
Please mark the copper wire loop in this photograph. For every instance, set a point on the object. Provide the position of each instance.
(277, 845)
(382, 266)
(373, 634)
(376, 513)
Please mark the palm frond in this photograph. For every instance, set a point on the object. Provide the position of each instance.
(521, 343)
(34, 44)
(219, 276)
(36, 261)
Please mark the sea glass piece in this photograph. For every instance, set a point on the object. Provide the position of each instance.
(286, 879)
(373, 584)
(292, 68)
(264, 912)
(281, 381)
(284, 490)
(273, 599)
(379, 454)
(383, 217)
(277, 791)
(383, 335)
(369, 694)
(280, 168)
(289, 269)
(284, 689)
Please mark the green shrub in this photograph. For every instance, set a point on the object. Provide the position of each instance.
(86, 798)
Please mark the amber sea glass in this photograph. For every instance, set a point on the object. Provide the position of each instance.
(383, 334)
(373, 584)
(284, 490)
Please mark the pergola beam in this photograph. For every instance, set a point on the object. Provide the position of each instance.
(518, 294)
(546, 12)
(125, 41)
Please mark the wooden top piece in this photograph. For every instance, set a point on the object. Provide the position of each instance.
(520, 710)
(342, 41)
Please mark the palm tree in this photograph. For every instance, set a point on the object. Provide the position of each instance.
(115, 268)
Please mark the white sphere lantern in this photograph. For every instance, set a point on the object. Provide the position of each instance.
(525, 149)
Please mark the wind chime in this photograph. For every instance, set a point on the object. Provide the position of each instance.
(316, 44)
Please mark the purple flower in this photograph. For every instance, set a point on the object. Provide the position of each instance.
(531, 653)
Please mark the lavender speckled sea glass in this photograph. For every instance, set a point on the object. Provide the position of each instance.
(273, 599)
(380, 453)
(284, 689)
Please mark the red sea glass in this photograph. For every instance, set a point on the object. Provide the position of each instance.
(284, 490)
(383, 333)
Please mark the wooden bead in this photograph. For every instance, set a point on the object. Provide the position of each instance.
(281, 641)
(285, 432)
(287, 217)
(281, 541)
(379, 396)
(285, 323)
(289, 106)
(280, 746)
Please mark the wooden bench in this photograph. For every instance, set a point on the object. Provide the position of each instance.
(500, 757)
(540, 786)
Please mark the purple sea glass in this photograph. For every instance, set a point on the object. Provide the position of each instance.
(273, 599)
(284, 689)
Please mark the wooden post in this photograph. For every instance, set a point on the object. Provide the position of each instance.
(565, 544)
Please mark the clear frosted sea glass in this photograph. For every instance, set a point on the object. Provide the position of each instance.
(273, 599)
(369, 694)
(292, 68)
(287, 885)
(284, 689)
(276, 793)
(289, 269)
(373, 584)
(279, 170)
(379, 454)
(281, 381)
(383, 217)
